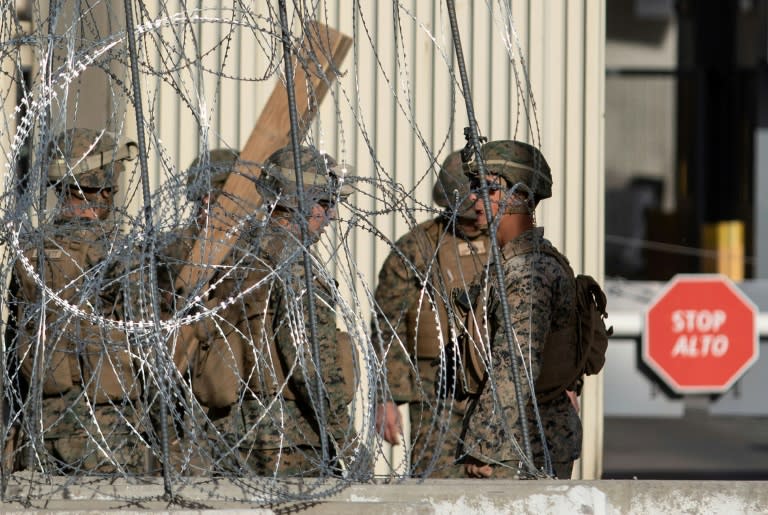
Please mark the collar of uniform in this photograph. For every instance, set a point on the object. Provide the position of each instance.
(449, 224)
(524, 243)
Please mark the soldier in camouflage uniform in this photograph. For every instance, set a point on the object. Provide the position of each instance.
(84, 395)
(205, 179)
(542, 300)
(257, 371)
(413, 323)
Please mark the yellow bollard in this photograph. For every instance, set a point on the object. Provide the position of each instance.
(723, 244)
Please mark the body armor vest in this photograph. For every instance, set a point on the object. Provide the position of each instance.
(458, 262)
(238, 355)
(61, 349)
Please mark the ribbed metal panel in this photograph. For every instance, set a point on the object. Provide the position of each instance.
(398, 108)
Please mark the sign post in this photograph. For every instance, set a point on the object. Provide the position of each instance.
(700, 334)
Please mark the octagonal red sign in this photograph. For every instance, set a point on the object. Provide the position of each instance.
(700, 334)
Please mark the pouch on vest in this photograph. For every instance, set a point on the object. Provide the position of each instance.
(219, 360)
(466, 358)
(55, 363)
(106, 364)
(55, 369)
(422, 326)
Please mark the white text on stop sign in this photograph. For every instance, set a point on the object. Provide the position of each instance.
(699, 336)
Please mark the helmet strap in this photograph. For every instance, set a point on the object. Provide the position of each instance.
(520, 203)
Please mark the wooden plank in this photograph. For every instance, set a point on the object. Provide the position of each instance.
(314, 71)
(324, 50)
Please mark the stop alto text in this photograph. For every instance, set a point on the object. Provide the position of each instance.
(699, 335)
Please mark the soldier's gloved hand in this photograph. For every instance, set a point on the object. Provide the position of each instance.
(389, 423)
(477, 468)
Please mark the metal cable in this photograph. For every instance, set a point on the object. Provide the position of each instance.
(185, 87)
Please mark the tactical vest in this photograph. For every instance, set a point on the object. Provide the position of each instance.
(458, 262)
(224, 361)
(75, 351)
(238, 357)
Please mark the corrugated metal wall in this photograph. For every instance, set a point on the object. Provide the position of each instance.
(397, 108)
(397, 83)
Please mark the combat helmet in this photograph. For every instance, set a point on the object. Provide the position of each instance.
(206, 176)
(452, 185)
(88, 159)
(321, 176)
(518, 163)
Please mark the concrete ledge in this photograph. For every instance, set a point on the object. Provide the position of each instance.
(26, 494)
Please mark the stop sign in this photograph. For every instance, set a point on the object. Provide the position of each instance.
(700, 334)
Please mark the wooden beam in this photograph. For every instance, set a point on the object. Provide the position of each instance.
(324, 50)
(315, 69)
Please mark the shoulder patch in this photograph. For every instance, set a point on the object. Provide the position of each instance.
(464, 249)
(478, 246)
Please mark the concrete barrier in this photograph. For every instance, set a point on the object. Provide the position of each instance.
(25, 494)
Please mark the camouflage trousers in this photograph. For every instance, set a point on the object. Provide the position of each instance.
(188, 452)
(247, 440)
(82, 438)
(435, 433)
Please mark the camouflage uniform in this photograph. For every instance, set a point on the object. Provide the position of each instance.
(542, 300)
(186, 454)
(274, 425)
(413, 322)
(82, 372)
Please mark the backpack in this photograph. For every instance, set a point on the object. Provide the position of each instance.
(591, 335)
(568, 353)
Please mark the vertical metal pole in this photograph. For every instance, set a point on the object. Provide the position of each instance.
(304, 209)
(474, 140)
(149, 249)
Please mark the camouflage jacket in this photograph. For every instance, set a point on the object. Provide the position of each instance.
(291, 330)
(541, 299)
(170, 260)
(412, 275)
(272, 280)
